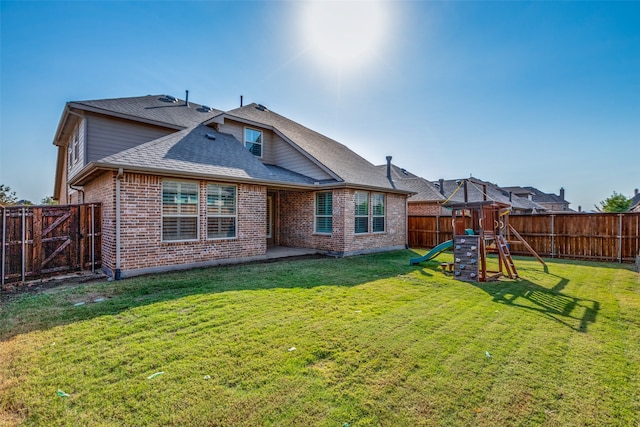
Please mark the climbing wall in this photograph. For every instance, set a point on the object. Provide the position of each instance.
(465, 253)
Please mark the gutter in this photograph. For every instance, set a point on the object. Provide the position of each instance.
(95, 166)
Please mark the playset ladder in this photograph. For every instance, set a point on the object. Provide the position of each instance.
(503, 252)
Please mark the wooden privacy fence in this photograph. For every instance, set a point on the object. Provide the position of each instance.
(39, 241)
(596, 237)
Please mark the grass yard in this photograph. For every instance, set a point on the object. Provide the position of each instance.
(363, 341)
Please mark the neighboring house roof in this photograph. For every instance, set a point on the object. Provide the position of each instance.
(635, 202)
(424, 190)
(475, 193)
(345, 164)
(536, 195)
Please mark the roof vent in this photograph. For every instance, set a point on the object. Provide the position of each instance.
(171, 98)
(205, 108)
(404, 171)
(210, 136)
(261, 107)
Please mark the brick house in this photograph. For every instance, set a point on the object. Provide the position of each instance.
(184, 185)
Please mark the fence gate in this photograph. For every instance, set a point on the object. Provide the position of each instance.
(40, 241)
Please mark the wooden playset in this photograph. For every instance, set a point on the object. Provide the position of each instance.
(480, 228)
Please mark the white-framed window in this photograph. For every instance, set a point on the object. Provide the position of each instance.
(324, 212)
(361, 211)
(378, 213)
(222, 211)
(253, 141)
(76, 143)
(179, 210)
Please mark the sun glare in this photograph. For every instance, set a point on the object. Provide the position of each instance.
(344, 35)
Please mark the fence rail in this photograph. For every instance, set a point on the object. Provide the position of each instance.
(39, 241)
(598, 237)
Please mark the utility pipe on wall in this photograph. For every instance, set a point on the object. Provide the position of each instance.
(93, 238)
(118, 178)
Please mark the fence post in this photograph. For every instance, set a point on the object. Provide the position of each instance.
(36, 238)
(553, 243)
(620, 238)
(24, 241)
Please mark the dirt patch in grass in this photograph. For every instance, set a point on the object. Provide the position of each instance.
(12, 291)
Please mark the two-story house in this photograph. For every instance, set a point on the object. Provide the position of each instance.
(184, 185)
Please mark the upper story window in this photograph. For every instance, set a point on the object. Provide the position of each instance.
(179, 210)
(76, 143)
(253, 141)
(324, 212)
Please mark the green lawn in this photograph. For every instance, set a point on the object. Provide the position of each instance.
(363, 341)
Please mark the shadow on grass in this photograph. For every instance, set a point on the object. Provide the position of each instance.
(572, 312)
(56, 307)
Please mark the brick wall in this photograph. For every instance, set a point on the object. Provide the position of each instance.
(425, 208)
(297, 224)
(141, 225)
(142, 247)
(102, 190)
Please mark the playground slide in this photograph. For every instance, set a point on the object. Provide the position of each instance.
(433, 252)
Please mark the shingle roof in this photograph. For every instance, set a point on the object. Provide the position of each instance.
(493, 192)
(344, 163)
(425, 190)
(635, 201)
(189, 152)
(155, 108)
(193, 151)
(539, 196)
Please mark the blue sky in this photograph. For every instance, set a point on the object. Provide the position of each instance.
(545, 94)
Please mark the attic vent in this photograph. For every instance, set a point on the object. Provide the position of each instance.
(210, 136)
(261, 107)
(171, 98)
(404, 171)
(206, 108)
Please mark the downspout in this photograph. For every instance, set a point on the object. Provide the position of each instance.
(118, 178)
(406, 226)
(80, 190)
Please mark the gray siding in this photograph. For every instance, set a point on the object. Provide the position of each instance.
(290, 158)
(109, 136)
(277, 151)
(237, 130)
